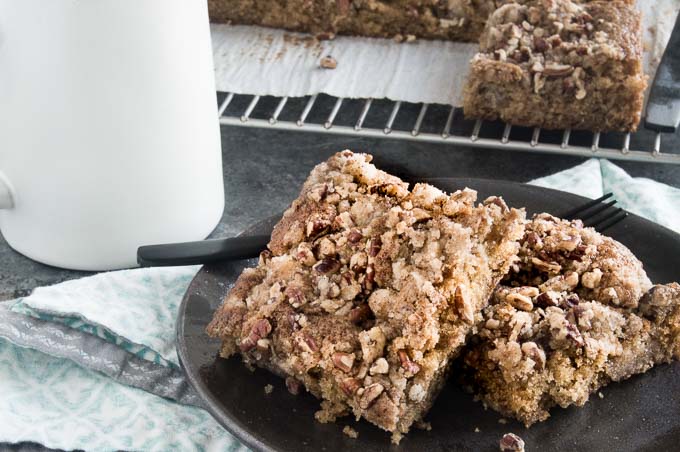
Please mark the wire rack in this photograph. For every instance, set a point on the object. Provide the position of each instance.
(430, 123)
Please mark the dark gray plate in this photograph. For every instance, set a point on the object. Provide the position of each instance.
(642, 413)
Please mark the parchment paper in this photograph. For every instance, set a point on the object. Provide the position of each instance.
(255, 60)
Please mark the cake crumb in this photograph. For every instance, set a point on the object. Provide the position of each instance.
(424, 425)
(396, 438)
(328, 62)
(600, 395)
(477, 430)
(268, 389)
(349, 431)
(502, 421)
(511, 443)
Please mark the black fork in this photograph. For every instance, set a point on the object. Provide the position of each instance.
(597, 213)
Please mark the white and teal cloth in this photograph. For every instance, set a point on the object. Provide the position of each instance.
(91, 363)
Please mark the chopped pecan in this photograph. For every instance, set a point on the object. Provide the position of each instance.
(343, 361)
(519, 301)
(380, 366)
(540, 44)
(371, 393)
(374, 248)
(570, 300)
(369, 278)
(409, 366)
(328, 62)
(261, 328)
(534, 352)
(558, 70)
(547, 299)
(533, 240)
(293, 385)
(265, 256)
(350, 386)
(295, 296)
(354, 236)
(360, 313)
(463, 306)
(574, 334)
(327, 265)
(578, 252)
(311, 343)
(548, 267)
(511, 443)
(317, 227)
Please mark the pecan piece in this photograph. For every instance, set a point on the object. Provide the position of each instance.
(343, 361)
(259, 330)
(533, 351)
(350, 386)
(519, 301)
(511, 443)
(374, 248)
(548, 267)
(546, 299)
(262, 328)
(327, 265)
(354, 236)
(540, 44)
(380, 366)
(371, 393)
(328, 62)
(293, 385)
(533, 240)
(575, 335)
(360, 313)
(465, 309)
(311, 343)
(295, 296)
(316, 227)
(409, 366)
(557, 70)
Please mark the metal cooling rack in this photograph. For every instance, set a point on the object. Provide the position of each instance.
(430, 123)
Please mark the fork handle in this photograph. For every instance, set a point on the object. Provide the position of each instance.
(663, 105)
(201, 252)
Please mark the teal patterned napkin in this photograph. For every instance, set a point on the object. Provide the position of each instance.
(91, 363)
(645, 197)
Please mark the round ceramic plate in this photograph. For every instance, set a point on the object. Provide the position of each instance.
(642, 413)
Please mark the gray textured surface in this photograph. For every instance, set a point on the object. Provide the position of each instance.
(263, 171)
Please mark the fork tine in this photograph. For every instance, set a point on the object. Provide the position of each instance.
(570, 215)
(592, 213)
(594, 221)
(608, 223)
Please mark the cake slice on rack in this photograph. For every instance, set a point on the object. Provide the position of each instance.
(558, 64)
(369, 290)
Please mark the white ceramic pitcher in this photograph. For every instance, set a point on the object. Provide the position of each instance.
(109, 137)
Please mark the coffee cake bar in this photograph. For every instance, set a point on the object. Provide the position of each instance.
(558, 64)
(458, 20)
(575, 313)
(368, 290)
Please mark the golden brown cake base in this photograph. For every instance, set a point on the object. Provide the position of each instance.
(557, 64)
(369, 290)
(568, 320)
